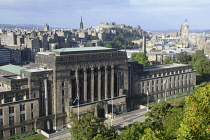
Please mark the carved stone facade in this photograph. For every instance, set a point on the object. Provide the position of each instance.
(42, 96)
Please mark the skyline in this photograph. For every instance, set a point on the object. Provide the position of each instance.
(149, 14)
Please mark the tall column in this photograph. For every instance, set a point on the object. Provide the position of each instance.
(99, 83)
(172, 82)
(150, 86)
(70, 91)
(155, 85)
(159, 84)
(112, 81)
(106, 82)
(188, 78)
(177, 82)
(77, 80)
(85, 85)
(92, 84)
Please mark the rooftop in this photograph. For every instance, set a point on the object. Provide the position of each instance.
(164, 67)
(38, 70)
(12, 68)
(82, 49)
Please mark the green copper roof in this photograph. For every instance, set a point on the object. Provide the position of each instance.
(81, 49)
(12, 68)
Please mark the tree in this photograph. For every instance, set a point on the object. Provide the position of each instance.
(90, 126)
(150, 135)
(183, 57)
(196, 121)
(167, 60)
(196, 56)
(134, 132)
(202, 66)
(171, 123)
(141, 58)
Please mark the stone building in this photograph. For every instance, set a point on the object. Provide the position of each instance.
(48, 88)
(180, 78)
(42, 96)
(184, 35)
(17, 109)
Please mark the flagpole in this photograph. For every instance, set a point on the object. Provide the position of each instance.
(78, 108)
(164, 82)
(147, 100)
(112, 112)
(165, 95)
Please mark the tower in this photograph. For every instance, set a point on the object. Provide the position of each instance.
(144, 43)
(184, 34)
(81, 24)
(46, 27)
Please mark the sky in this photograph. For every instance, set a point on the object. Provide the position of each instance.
(149, 14)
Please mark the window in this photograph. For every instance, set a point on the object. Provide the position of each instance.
(8, 99)
(23, 129)
(32, 115)
(11, 119)
(17, 87)
(1, 122)
(22, 107)
(11, 109)
(12, 131)
(22, 117)
(1, 134)
(1, 112)
(62, 84)
(19, 98)
(32, 106)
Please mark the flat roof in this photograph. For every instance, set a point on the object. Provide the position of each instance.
(12, 68)
(164, 66)
(38, 70)
(82, 49)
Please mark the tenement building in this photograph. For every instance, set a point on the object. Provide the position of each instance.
(42, 95)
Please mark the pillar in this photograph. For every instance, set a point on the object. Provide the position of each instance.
(112, 81)
(85, 85)
(92, 84)
(106, 82)
(99, 83)
(77, 81)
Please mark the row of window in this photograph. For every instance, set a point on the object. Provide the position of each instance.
(10, 99)
(12, 121)
(12, 131)
(22, 108)
(165, 74)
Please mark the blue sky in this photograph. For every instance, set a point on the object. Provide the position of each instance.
(149, 14)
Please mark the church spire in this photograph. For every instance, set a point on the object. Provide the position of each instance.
(81, 24)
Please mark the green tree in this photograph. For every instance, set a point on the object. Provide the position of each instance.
(158, 114)
(196, 56)
(183, 57)
(171, 123)
(141, 58)
(202, 66)
(90, 126)
(167, 60)
(150, 134)
(196, 121)
(132, 133)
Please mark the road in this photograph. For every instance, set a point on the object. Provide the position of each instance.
(128, 118)
(119, 122)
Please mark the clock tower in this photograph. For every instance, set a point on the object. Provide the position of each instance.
(184, 34)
